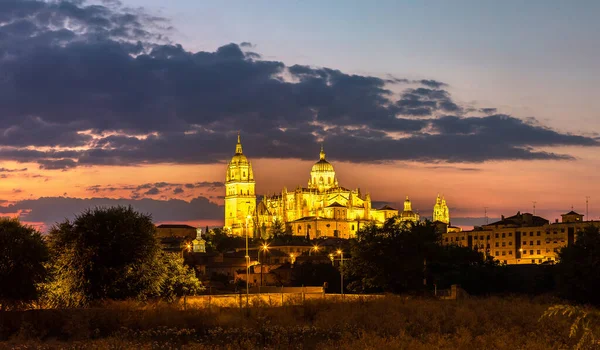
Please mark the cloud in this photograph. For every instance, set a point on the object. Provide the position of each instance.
(178, 190)
(50, 210)
(6, 170)
(152, 191)
(103, 85)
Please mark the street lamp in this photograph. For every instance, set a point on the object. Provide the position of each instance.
(247, 260)
(331, 258)
(293, 256)
(314, 248)
(341, 253)
(264, 248)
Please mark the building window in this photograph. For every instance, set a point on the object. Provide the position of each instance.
(562, 230)
(497, 253)
(244, 174)
(488, 237)
(503, 234)
(531, 252)
(504, 244)
(538, 233)
(533, 261)
(352, 227)
(510, 234)
(475, 237)
(539, 252)
(524, 242)
(510, 252)
(524, 252)
(299, 228)
(530, 234)
(497, 244)
(538, 242)
(510, 243)
(496, 235)
(503, 253)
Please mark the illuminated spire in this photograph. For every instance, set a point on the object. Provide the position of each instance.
(322, 154)
(238, 147)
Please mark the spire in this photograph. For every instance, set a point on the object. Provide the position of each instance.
(322, 154)
(238, 147)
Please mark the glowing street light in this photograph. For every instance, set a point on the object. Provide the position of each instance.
(293, 256)
(314, 248)
(331, 258)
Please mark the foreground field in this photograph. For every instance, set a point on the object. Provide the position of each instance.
(380, 323)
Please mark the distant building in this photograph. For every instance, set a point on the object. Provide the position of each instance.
(176, 230)
(522, 238)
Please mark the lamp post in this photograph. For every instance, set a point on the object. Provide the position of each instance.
(247, 261)
(341, 253)
(331, 258)
(264, 248)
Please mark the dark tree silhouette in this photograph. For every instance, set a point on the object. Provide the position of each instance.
(579, 268)
(22, 257)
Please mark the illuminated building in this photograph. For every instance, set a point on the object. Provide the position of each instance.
(407, 215)
(440, 211)
(240, 198)
(321, 209)
(523, 238)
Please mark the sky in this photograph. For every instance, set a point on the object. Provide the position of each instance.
(492, 104)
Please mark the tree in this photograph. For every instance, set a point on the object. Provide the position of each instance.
(277, 228)
(104, 253)
(22, 257)
(391, 258)
(179, 279)
(309, 274)
(579, 268)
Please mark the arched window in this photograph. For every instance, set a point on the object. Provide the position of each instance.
(329, 180)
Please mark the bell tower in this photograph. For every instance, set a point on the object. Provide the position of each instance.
(240, 197)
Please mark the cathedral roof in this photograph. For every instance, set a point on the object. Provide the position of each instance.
(386, 207)
(335, 205)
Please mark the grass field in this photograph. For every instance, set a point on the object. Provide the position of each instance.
(379, 323)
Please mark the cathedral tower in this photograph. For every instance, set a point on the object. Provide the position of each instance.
(440, 211)
(240, 198)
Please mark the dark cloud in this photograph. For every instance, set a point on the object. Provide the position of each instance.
(55, 164)
(152, 191)
(178, 190)
(102, 85)
(54, 209)
(488, 110)
(6, 170)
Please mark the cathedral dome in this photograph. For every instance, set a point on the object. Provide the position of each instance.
(322, 165)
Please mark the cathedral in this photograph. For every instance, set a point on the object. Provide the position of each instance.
(321, 209)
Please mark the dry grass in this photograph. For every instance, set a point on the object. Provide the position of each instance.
(381, 323)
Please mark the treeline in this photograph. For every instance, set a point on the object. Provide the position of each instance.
(400, 258)
(104, 253)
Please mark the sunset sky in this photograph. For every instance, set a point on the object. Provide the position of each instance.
(493, 104)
